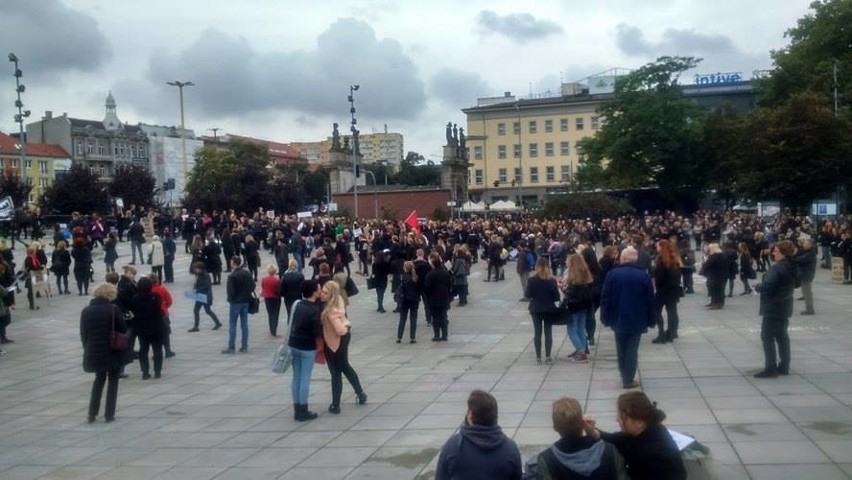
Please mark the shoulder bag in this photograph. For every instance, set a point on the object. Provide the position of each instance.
(117, 340)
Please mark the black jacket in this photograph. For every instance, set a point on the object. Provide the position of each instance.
(381, 270)
(147, 315)
(667, 283)
(776, 290)
(652, 455)
(479, 453)
(240, 286)
(437, 288)
(421, 268)
(305, 325)
(806, 260)
(715, 269)
(580, 458)
(408, 291)
(543, 295)
(291, 285)
(96, 322)
(204, 285)
(82, 259)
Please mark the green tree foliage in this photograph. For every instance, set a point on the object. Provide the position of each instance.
(381, 172)
(415, 171)
(211, 183)
(11, 185)
(651, 136)
(79, 190)
(820, 38)
(582, 205)
(722, 152)
(134, 184)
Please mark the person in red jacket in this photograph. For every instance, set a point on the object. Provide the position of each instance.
(165, 303)
(270, 288)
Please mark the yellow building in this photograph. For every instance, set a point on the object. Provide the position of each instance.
(43, 162)
(384, 148)
(527, 147)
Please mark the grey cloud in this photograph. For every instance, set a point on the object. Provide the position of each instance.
(48, 36)
(519, 27)
(232, 78)
(457, 88)
(631, 41)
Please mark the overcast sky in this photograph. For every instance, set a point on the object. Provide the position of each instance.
(281, 69)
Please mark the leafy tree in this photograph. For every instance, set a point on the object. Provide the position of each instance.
(11, 185)
(211, 182)
(722, 152)
(80, 189)
(381, 172)
(581, 205)
(821, 38)
(651, 136)
(134, 184)
(415, 170)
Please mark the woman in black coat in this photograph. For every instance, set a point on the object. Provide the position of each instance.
(60, 265)
(543, 293)
(381, 270)
(291, 286)
(82, 263)
(437, 294)
(715, 270)
(203, 286)
(409, 299)
(252, 256)
(149, 325)
(667, 290)
(213, 260)
(97, 321)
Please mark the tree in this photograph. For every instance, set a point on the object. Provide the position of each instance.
(414, 170)
(580, 205)
(11, 185)
(134, 184)
(381, 172)
(722, 152)
(651, 136)
(211, 182)
(79, 190)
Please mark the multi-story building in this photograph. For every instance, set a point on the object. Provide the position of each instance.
(386, 148)
(527, 148)
(41, 166)
(165, 153)
(100, 144)
(316, 153)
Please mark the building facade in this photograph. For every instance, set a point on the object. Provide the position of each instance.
(386, 148)
(100, 144)
(315, 153)
(43, 162)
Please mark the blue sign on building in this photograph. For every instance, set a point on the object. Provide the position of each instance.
(718, 78)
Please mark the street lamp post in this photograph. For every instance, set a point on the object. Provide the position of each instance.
(354, 130)
(180, 86)
(375, 195)
(21, 115)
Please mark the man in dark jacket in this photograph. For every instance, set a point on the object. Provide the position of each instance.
(437, 294)
(422, 268)
(627, 306)
(136, 234)
(480, 450)
(806, 261)
(776, 307)
(240, 288)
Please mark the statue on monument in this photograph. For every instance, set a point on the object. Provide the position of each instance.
(335, 139)
(462, 138)
(449, 134)
(345, 144)
(455, 135)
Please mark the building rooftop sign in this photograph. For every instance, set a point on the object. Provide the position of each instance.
(718, 78)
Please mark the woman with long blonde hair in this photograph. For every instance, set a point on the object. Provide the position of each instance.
(336, 337)
(543, 293)
(578, 299)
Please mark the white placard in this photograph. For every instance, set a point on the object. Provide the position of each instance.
(307, 214)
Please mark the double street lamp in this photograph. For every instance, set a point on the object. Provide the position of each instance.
(180, 86)
(355, 132)
(21, 115)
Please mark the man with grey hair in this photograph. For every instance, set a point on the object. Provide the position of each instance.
(627, 306)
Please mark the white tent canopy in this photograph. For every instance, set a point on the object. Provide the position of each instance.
(473, 207)
(503, 205)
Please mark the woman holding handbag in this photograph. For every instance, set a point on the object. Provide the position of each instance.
(578, 300)
(98, 321)
(336, 336)
(205, 288)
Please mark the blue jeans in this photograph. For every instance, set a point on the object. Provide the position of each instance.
(238, 310)
(627, 348)
(303, 365)
(577, 330)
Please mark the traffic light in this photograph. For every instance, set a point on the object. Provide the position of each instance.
(357, 171)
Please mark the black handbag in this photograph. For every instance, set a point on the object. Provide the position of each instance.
(254, 304)
(371, 283)
(117, 340)
(560, 316)
(351, 288)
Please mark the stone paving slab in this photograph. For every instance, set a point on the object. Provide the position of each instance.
(227, 417)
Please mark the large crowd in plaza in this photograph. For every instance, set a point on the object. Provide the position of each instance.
(625, 273)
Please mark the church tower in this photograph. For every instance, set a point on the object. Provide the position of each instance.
(111, 121)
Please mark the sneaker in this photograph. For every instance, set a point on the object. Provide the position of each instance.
(191, 330)
(548, 360)
(243, 349)
(228, 351)
(170, 354)
(633, 384)
(765, 374)
(580, 358)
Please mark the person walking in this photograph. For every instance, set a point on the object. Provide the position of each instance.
(776, 307)
(543, 294)
(460, 271)
(578, 299)
(336, 334)
(437, 289)
(588, 253)
(305, 327)
(97, 322)
(149, 325)
(746, 268)
(667, 277)
(110, 253)
(291, 286)
(169, 250)
(213, 260)
(60, 265)
(628, 307)
(136, 234)
(381, 270)
(409, 300)
(240, 287)
(270, 291)
(203, 287)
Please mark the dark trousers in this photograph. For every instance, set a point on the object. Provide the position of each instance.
(746, 285)
(156, 343)
(541, 323)
(380, 296)
(426, 314)
(197, 309)
(98, 389)
(288, 304)
(62, 278)
(627, 349)
(717, 292)
(273, 310)
(159, 271)
(731, 281)
(82, 278)
(686, 279)
(774, 331)
(169, 270)
(440, 323)
(338, 366)
(670, 304)
(407, 310)
(591, 324)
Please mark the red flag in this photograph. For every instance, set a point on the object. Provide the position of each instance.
(412, 222)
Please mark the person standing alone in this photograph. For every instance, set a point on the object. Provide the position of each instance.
(240, 288)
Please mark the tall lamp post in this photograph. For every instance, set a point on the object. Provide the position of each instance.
(180, 86)
(21, 115)
(354, 130)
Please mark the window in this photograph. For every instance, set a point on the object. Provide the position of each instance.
(80, 147)
(565, 171)
(477, 152)
(501, 129)
(579, 149)
(595, 122)
(563, 125)
(551, 175)
(15, 164)
(142, 151)
(121, 150)
(115, 149)
(101, 148)
(533, 150)
(516, 128)
(90, 147)
(478, 174)
(564, 149)
(548, 126)
(501, 175)
(518, 175)
(578, 123)
(548, 149)
(533, 126)
(28, 164)
(42, 166)
(42, 183)
(533, 174)
(517, 150)
(501, 151)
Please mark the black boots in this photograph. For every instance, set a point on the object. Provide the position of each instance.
(301, 413)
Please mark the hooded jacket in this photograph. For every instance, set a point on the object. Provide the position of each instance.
(579, 458)
(479, 452)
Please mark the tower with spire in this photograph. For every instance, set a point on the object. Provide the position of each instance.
(111, 121)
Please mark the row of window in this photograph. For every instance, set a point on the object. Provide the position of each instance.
(564, 150)
(118, 149)
(28, 164)
(549, 174)
(532, 126)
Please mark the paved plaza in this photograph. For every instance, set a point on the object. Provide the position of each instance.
(228, 417)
